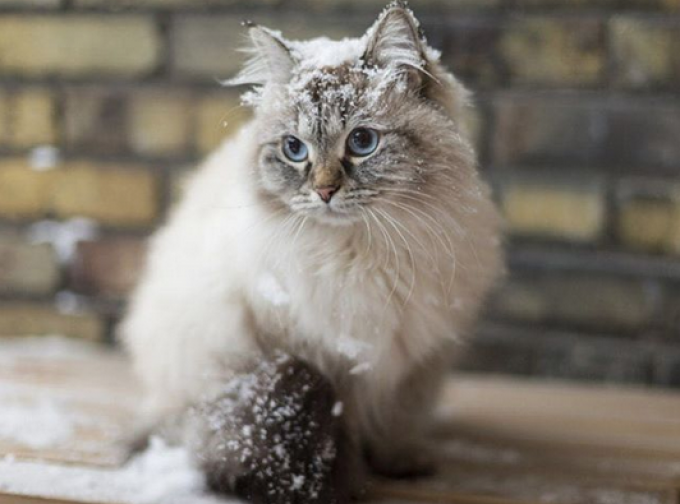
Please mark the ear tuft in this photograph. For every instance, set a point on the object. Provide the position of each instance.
(396, 40)
(270, 58)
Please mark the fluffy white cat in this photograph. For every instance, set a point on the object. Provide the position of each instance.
(346, 226)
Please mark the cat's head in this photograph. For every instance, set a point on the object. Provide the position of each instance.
(349, 126)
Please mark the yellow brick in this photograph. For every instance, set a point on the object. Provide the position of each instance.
(27, 268)
(52, 4)
(644, 52)
(77, 45)
(119, 197)
(646, 224)
(673, 241)
(472, 124)
(24, 193)
(160, 124)
(117, 4)
(23, 319)
(179, 180)
(31, 119)
(553, 211)
(216, 118)
(3, 117)
(552, 51)
(112, 195)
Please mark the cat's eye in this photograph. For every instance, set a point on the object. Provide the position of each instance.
(362, 141)
(295, 149)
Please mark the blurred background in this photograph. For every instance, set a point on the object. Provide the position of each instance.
(106, 105)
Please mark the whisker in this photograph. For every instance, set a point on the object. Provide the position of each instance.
(390, 220)
(450, 248)
(390, 243)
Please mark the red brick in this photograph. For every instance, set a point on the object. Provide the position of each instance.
(109, 267)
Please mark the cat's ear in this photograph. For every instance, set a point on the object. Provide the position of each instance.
(395, 41)
(270, 58)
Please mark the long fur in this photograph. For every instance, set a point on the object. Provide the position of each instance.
(378, 295)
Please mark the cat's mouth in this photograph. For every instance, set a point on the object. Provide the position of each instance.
(338, 211)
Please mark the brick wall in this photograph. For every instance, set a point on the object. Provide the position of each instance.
(105, 105)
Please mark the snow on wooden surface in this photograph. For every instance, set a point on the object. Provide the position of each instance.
(65, 405)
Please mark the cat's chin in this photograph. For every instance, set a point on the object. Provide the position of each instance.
(330, 217)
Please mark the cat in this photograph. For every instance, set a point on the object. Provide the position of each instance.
(343, 236)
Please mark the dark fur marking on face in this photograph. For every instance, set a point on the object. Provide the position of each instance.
(348, 166)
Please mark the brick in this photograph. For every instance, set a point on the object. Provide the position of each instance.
(178, 182)
(27, 268)
(587, 131)
(162, 4)
(24, 193)
(603, 360)
(96, 120)
(493, 356)
(160, 123)
(605, 303)
(28, 319)
(646, 53)
(470, 48)
(649, 215)
(669, 322)
(109, 267)
(217, 117)
(562, 52)
(474, 125)
(554, 208)
(597, 4)
(375, 6)
(542, 4)
(4, 117)
(31, 118)
(114, 196)
(645, 224)
(667, 367)
(77, 45)
(206, 45)
(43, 4)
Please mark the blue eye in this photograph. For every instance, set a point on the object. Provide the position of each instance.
(362, 141)
(295, 149)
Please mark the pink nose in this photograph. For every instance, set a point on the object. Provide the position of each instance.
(326, 192)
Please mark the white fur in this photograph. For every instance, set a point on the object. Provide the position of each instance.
(193, 309)
(371, 304)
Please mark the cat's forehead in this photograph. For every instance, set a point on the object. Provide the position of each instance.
(332, 80)
(328, 100)
(323, 52)
(331, 84)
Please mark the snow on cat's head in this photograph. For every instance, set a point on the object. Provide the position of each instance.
(347, 128)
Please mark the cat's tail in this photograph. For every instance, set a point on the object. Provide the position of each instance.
(275, 435)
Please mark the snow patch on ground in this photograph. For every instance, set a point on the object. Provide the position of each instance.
(47, 347)
(42, 424)
(162, 474)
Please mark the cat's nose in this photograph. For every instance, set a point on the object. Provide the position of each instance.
(327, 192)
